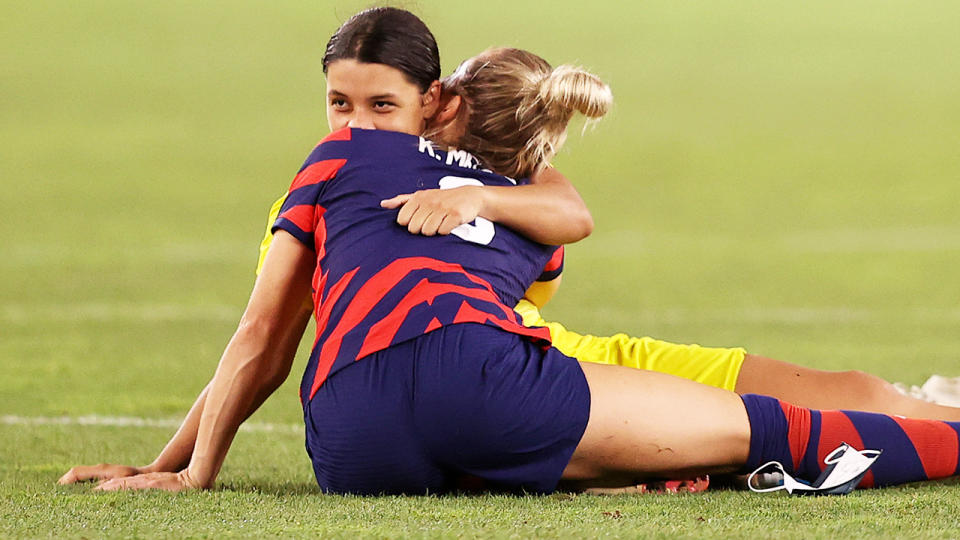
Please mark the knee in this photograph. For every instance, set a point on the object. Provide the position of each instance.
(868, 385)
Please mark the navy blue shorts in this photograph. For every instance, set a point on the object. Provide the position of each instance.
(465, 400)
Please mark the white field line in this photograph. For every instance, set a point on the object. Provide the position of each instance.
(175, 253)
(133, 422)
(126, 311)
(99, 312)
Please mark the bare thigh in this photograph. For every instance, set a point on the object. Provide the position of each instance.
(645, 424)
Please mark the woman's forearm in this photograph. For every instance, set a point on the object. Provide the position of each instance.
(548, 210)
(258, 357)
(178, 451)
(244, 373)
(176, 454)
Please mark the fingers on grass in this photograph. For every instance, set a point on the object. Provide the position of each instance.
(81, 474)
(114, 484)
(69, 478)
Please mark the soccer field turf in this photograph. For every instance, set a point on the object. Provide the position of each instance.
(779, 176)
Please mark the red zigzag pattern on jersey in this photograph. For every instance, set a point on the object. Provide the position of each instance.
(382, 333)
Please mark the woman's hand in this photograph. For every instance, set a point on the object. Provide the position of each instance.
(548, 210)
(437, 211)
(102, 472)
(166, 481)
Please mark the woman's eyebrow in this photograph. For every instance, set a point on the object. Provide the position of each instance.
(336, 93)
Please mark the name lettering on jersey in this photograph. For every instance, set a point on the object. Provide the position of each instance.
(426, 147)
(460, 158)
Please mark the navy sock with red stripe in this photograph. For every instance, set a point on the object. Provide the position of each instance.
(800, 438)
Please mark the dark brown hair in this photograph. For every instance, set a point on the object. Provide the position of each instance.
(389, 36)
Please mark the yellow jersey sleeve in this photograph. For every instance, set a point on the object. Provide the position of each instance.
(268, 236)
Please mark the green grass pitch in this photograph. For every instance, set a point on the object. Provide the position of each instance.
(782, 176)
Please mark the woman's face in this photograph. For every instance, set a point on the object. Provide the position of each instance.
(376, 96)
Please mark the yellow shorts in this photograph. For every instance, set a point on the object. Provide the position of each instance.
(712, 366)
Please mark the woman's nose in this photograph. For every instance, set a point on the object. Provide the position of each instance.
(361, 120)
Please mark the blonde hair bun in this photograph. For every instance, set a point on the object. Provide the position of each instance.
(517, 107)
(568, 89)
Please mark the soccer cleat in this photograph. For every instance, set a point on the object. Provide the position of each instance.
(692, 485)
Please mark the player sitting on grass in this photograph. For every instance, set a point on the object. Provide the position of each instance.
(563, 219)
(421, 373)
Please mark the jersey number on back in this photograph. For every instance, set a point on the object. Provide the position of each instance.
(481, 231)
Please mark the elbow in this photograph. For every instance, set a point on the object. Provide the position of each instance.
(586, 224)
(276, 375)
(580, 226)
(253, 330)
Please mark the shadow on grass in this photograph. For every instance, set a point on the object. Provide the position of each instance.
(271, 487)
(303, 488)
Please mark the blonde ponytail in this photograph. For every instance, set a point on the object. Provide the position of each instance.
(517, 107)
(569, 89)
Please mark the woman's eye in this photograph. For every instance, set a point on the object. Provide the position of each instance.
(383, 105)
(338, 103)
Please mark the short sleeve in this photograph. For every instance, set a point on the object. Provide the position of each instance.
(554, 266)
(268, 235)
(302, 208)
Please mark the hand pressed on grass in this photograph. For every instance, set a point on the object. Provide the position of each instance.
(166, 481)
(103, 471)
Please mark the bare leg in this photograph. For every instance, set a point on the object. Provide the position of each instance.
(645, 424)
(817, 389)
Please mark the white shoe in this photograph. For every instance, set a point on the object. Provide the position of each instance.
(943, 390)
(913, 391)
(766, 480)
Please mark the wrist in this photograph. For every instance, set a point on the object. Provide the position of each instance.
(194, 476)
(487, 197)
(189, 480)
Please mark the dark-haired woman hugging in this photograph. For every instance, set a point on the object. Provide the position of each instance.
(421, 372)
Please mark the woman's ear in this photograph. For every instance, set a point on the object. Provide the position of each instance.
(449, 107)
(431, 99)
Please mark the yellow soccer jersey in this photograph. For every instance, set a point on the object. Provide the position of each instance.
(268, 236)
(712, 366)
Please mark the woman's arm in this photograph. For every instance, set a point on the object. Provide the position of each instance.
(540, 292)
(178, 451)
(548, 210)
(254, 364)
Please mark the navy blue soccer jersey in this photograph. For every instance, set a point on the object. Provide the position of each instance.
(375, 284)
